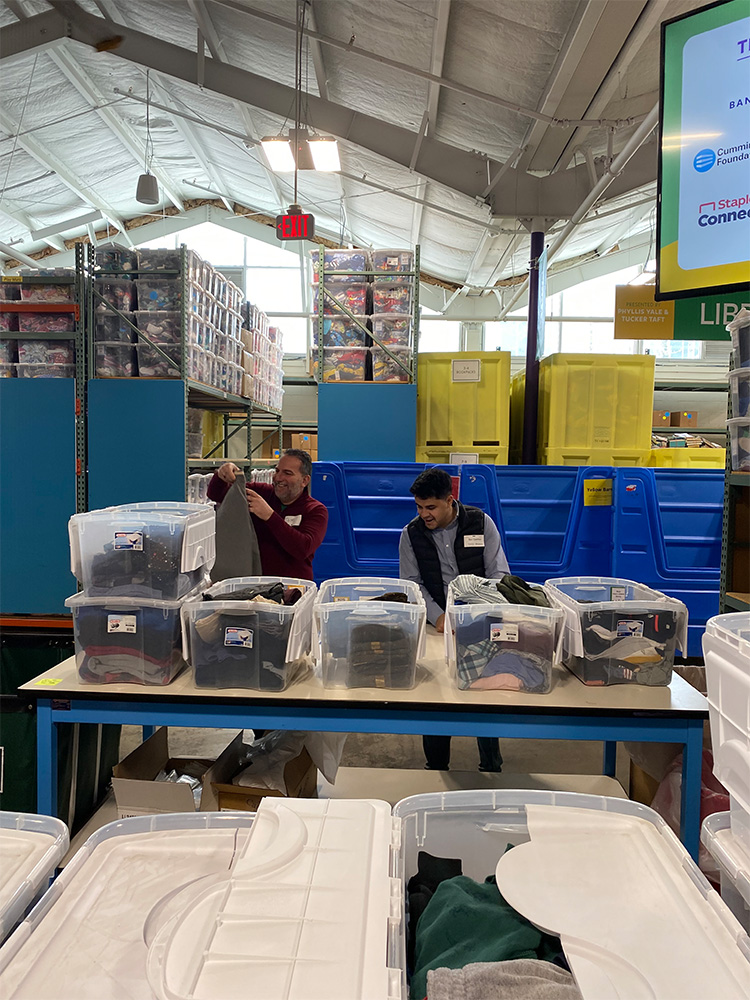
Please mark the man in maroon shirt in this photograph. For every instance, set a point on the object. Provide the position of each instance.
(290, 525)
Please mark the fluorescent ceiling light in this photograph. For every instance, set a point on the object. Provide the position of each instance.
(278, 153)
(66, 225)
(325, 153)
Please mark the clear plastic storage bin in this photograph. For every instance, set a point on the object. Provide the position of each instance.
(726, 651)
(392, 328)
(109, 327)
(46, 293)
(617, 631)
(739, 438)
(161, 259)
(355, 261)
(739, 384)
(115, 259)
(126, 640)
(159, 550)
(233, 643)
(501, 647)
(158, 294)
(733, 859)
(46, 352)
(152, 364)
(115, 360)
(10, 291)
(392, 262)
(363, 641)
(391, 298)
(7, 370)
(342, 332)
(33, 322)
(45, 371)
(31, 847)
(386, 368)
(342, 364)
(739, 330)
(160, 326)
(9, 321)
(352, 295)
(117, 292)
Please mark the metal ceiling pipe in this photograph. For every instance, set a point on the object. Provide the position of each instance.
(634, 143)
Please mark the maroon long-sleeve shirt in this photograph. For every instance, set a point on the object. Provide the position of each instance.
(289, 538)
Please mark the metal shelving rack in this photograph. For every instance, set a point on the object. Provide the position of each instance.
(324, 295)
(197, 394)
(77, 309)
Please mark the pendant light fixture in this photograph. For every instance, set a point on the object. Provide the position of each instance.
(147, 192)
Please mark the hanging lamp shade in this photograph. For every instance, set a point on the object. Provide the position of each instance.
(147, 192)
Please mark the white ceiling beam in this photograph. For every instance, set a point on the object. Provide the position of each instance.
(18, 255)
(437, 57)
(86, 87)
(206, 26)
(42, 154)
(30, 224)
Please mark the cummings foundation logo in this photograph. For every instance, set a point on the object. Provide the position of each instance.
(718, 213)
(704, 160)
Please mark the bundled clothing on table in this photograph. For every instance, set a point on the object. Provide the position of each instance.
(455, 922)
(152, 654)
(506, 650)
(153, 571)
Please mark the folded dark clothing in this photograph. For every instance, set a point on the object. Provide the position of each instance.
(381, 656)
(272, 592)
(431, 871)
(394, 596)
(518, 591)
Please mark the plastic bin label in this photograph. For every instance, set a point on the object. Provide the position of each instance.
(122, 623)
(474, 541)
(618, 593)
(629, 628)
(293, 520)
(466, 371)
(129, 541)
(597, 493)
(238, 637)
(340, 598)
(504, 633)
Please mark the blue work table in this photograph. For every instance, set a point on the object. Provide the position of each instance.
(571, 711)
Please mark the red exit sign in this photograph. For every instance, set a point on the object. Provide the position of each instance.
(295, 227)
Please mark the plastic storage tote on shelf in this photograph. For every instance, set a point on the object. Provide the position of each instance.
(151, 364)
(33, 322)
(31, 847)
(501, 647)
(739, 440)
(114, 360)
(462, 402)
(45, 371)
(617, 631)
(386, 368)
(391, 298)
(392, 328)
(233, 643)
(353, 295)
(110, 327)
(354, 261)
(342, 332)
(342, 364)
(159, 550)
(116, 292)
(158, 294)
(127, 640)
(160, 326)
(739, 330)
(46, 293)
(71, 946)
(726, 650)
(392, 264)
(363, 640)
(733, 859)
(739, 385)
(46, 352)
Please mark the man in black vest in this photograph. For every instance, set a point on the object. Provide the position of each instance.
(444, 540)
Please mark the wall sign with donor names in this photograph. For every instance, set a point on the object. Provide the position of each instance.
(638, 316)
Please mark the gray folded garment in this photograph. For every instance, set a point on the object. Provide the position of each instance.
(474, 590)
(520, 979)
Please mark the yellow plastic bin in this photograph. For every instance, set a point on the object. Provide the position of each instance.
(688, 458)
(463, 401)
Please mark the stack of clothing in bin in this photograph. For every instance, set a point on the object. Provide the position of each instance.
(382, 655)
(116, 650)
(465, 942)
(517, 658)
(257, 655)
(152, 571)
(620, 646)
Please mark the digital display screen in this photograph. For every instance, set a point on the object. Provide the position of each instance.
(703, 222)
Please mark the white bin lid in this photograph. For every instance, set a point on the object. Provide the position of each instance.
(31, 847)
(731, 853)
(636, 920)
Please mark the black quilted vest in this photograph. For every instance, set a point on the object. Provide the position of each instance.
(471, 560)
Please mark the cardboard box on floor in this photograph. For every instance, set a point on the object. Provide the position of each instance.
(138, 794)
(300, 778)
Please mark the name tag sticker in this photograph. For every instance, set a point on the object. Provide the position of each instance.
(293, 519)
(474, 542)
(504, 633)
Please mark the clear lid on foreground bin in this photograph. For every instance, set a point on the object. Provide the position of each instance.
(85, 939)
(31, 847)
(733, 856)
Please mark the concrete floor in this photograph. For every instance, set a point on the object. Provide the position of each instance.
(365, 750)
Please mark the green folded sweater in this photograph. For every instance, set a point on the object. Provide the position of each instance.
(468, 921)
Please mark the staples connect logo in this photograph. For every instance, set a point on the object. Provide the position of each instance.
(716, 213)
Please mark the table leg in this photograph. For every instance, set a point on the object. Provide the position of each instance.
(609, 764)
(46, 759)
(690, 796)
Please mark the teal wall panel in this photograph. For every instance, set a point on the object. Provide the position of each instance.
(367, 422)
